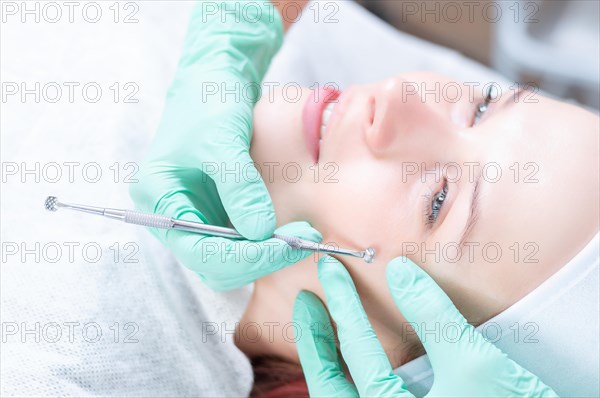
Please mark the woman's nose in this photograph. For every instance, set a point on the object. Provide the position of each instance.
(401, 121)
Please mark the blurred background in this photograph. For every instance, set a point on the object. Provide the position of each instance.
(552, 43)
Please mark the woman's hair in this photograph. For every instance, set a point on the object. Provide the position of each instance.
(275, 377)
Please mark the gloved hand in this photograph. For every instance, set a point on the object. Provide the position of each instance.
(199, 167)
(466, 366)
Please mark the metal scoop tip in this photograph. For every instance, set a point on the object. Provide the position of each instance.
(50, 203)
(369, 255)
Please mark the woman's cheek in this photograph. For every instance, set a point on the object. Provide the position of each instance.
(280, 155)
(360, 208)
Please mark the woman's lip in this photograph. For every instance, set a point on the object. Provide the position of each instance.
(312, 118)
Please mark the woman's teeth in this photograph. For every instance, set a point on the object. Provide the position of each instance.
(325, 117)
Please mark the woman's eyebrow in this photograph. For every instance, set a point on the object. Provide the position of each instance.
(516, 97)
(473, 213)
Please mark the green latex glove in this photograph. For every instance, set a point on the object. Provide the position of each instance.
(199, 167)
(465, 366)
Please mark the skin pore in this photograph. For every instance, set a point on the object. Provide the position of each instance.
(518, 188)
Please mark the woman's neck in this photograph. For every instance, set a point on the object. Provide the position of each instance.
(266, 327)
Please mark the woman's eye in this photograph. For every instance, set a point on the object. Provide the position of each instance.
(436, 204)
(479, 111)
(483, 106)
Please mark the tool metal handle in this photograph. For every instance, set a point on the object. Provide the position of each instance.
(148, 220)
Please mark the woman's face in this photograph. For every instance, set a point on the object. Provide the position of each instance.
(489, 203)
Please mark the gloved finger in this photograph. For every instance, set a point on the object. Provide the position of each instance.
(427, 307)
(165, 191)
(222, 263)
(170, 190)
(362, 351)
(226, 264)
(157, 183)
(241, 187)
(316, 347)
